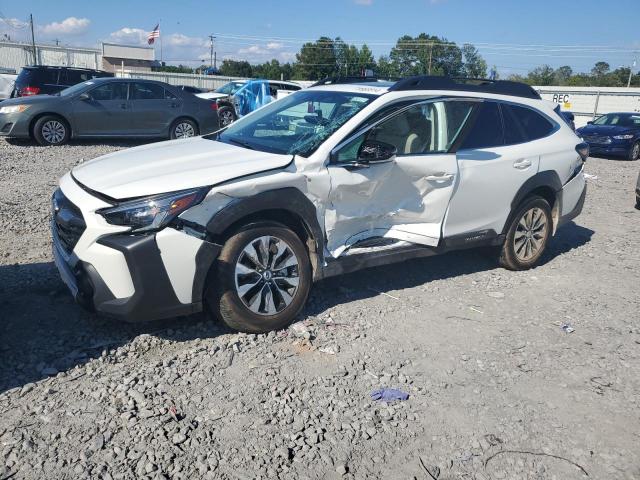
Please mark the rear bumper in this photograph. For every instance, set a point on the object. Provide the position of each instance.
(570, 208)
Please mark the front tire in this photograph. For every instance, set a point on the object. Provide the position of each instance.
(51, 130)
(262, 279)
(183, 128)
(634, 153)
(528, 235)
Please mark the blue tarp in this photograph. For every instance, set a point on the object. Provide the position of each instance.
(253, 95)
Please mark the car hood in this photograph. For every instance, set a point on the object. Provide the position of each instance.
(174, 165)
(31, 100)
(604, 130)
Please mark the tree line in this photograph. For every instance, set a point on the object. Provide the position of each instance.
(420, 55)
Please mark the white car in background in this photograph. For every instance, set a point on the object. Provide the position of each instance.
(229, 107)
(328, 180)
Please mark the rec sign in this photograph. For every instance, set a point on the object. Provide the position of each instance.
(562, 98)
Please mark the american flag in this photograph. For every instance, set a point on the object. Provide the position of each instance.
(155, 33)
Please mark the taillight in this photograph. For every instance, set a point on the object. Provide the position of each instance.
(583, 151)
(28, 91)
(214, 106)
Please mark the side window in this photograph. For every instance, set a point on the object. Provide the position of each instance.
(513, 131)
(110, 91)
(428, 127)
(273, 89)
(147, 91)
(168, 95)
(534, 125)
(50, 76)
(486, 132)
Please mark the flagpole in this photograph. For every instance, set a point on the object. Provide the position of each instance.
(160, 50)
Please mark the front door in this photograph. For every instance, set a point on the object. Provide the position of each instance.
(404, 198)
(106, 111)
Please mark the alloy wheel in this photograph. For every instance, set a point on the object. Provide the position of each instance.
(635, 153)
(267, 275)
(184, 130)
(53, 131)
(530, 234)
(226, 118)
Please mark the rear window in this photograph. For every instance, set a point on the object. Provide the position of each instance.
(486, 132)
(147, 91)
(36, 76)
(532, 123)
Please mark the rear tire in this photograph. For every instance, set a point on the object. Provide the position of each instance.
(183, 128)
(226, 116)
(634, 153)
(528, 235)
(51, 130)
(261, 280)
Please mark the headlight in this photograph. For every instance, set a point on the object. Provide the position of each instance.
(628, 136)
(152, 213)
(14, 108)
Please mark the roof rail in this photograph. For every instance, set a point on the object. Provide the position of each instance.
(500, 87)
(342, 80)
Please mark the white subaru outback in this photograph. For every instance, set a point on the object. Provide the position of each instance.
(328, 180)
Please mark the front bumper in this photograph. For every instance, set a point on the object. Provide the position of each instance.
(131, 277)
(14, 125)
(616, 148)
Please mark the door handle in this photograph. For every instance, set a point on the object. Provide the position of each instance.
(439, 178)
(522, 164)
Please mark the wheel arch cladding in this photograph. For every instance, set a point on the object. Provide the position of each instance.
(545, 184)
(288, 206)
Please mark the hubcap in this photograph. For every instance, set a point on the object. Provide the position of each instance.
(267, 275)
(636, 151)
(185, 130)
(53, 131)
(227, 118)
(530, 234)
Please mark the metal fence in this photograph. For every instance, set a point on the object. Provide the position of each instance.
(15, 55)
(210, 82)
(586, 103)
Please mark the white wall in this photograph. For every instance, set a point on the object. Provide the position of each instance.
(586, 103)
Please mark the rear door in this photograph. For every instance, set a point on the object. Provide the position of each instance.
(106, 112)
(153, 108)
(496, 158)
(405, 198)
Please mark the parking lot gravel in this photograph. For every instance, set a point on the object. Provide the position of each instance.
(498, 389)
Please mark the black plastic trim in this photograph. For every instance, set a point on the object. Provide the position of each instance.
(289, 199)
(577, 210)
(207, 254)
(546, 178)
(154, 297)
(500, 87)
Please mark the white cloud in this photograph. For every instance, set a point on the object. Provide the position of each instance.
(128, 35)
(68, 26)
(180, 40)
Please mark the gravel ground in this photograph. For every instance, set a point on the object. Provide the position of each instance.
(497, 389)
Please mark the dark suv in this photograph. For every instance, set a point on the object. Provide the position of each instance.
(49, 80)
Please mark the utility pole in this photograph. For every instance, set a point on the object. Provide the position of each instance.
(33, 40)
(430, 56)
(630, 73)
(212, 62)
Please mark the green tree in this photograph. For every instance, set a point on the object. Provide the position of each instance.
(542, 75)
(474, 64)
(562, 75)
(600, 69)
(426, 54)
(234, 68)
(316, 60)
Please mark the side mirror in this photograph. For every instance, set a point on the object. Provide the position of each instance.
(85, 97)
(372, 151)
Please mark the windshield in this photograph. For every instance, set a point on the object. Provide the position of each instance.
(75, 89)
(297, 124)
(619, 119)
(230, 88)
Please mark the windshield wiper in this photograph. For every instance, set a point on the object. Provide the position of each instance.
(241, 143)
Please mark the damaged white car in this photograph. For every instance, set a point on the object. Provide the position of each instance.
(328, 180)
